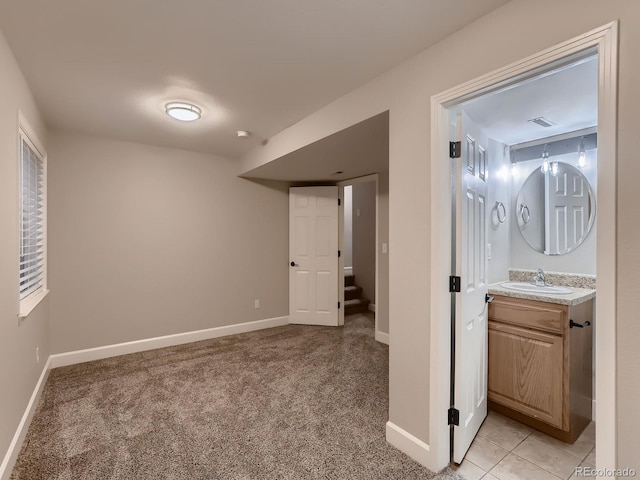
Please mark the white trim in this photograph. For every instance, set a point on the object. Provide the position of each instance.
(347, 270)
(26, 132)
(23, 427)
(30, 133)
(411, 446)
(382, 337)
(604, 40)
(593, 410)
(98, 353)
(372, 307)
(31, 301)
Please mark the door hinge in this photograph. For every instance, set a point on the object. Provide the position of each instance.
(454, 284)
(338, 305)
(339, 254)
(454, 416)
(339, 202)
(455, 149)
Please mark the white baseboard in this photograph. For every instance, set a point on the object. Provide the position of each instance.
(98, 353)
(382, 337)
(372, 307)
(409, 445)
(16, 443)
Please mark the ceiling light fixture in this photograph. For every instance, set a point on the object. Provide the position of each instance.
(243, 133)
(184, 112)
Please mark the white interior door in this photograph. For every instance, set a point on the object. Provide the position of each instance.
(471, 332)
(313, 255)
(568, 207)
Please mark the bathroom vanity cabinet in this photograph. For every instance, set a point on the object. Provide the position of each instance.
(540, 367)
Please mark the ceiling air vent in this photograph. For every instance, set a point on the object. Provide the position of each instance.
(543, 122)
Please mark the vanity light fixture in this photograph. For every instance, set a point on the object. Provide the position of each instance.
(554, 168)
(582, 155)
(185, 112)
(545, 160)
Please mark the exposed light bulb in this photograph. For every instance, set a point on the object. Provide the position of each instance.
(554, 168)
(545, 166)
(582, 155)
(582, 160)
(545, 160)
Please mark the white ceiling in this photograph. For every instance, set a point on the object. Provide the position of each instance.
(568, 98)
(108, 67)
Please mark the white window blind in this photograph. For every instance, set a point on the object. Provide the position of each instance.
(32, 231)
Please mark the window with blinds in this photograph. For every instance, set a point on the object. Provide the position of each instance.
(32, 220)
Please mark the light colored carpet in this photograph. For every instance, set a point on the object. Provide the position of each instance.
(293, 402)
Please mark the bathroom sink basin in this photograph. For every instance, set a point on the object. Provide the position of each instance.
(532, 288)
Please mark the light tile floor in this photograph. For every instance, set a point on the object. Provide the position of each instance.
(508, 450)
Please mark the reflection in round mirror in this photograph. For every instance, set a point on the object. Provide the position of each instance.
(555, 210)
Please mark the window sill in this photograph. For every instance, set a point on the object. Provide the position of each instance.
(27, 305)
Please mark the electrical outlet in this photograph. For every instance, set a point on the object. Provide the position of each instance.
(384, 248)
(256, 303)
(37, 355)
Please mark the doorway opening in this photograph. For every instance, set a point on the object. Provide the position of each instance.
(602, 42)
(524, 190)
(359, 237)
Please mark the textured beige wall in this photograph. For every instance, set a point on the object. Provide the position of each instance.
(517, 30)
(364, 237)
(18, 370)
(148, 241)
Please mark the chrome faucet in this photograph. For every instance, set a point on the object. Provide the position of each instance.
(539, 278)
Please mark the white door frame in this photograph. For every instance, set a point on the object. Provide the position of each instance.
(604, 41)
(367, 178)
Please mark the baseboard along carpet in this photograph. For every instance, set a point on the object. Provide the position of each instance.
(292, 402)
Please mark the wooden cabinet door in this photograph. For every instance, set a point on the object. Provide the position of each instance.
(525, 371)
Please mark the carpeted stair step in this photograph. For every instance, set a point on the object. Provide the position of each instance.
(357, 305)
(349, 279)
(352, 292)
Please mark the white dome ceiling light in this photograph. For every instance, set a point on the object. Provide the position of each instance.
(184, 112)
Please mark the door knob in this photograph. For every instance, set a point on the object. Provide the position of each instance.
(294, 264)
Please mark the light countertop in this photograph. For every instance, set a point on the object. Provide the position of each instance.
(578, 295)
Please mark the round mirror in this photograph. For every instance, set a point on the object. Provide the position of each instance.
(555, 210)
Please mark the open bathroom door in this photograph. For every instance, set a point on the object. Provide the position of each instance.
(470, 336)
